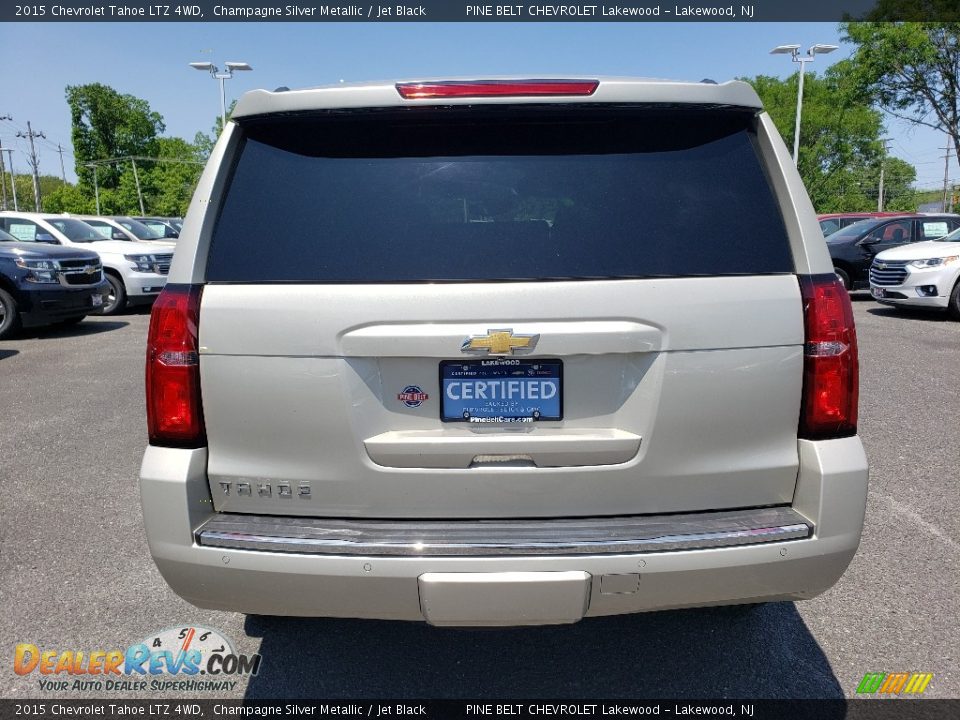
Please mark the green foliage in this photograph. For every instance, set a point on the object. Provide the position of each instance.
(840, 148)
(70, 199)
(909, 69)
(204, 143)
(898, 179)
(107, 125)
(50, 185)
(918, 10)
(169, 185)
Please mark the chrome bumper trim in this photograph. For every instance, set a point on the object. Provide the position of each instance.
(445, 538)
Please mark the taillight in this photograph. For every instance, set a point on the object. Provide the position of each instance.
(830, 370)
(493, 88)
(174, 412)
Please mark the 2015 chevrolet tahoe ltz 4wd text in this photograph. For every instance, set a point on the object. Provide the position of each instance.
(501, 352)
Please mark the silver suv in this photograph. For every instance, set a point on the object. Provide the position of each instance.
(499, 353)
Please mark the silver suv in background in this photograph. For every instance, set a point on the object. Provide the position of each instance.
(501, 352)
(921, 275)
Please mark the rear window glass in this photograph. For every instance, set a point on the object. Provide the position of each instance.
(498, 194)
(829, 226)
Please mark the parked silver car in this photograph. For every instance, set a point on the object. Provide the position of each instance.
(498, 353)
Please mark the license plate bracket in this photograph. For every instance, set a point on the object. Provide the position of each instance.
(501, 390)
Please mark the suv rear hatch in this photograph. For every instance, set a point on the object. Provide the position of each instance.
(365, 263)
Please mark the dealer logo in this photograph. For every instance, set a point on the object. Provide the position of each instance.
(191, 658)
(412, 396)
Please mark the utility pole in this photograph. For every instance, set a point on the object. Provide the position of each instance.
(883, 163)
(880, 193)
(63, 172)
(946, 172)
(13, 177)
(3, 177)
(34, 162)
(3, 170)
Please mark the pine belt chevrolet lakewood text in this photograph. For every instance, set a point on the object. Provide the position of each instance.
(501, 352)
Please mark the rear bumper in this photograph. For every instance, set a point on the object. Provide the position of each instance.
(504, 589)
(499, 538)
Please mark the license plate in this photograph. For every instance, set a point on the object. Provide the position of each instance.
(96, 300)
(879, 292)
(501, 390)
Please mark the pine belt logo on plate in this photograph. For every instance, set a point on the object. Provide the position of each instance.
(412, 396)
(192, 658)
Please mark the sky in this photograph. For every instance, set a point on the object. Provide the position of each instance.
(150, 60)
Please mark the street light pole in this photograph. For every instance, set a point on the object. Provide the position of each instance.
(223, 101)
(221, 77)
(794, 52)
(796, 129)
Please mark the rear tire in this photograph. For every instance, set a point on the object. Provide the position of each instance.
(844, 278)
(954, 307)
(9, 315)
(116, 300)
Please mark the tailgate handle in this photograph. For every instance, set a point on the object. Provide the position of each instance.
(502, 461)
(452, 448)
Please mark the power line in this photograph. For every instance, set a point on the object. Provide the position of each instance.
(125, 158)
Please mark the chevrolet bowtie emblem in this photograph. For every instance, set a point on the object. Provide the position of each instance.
(500, 342)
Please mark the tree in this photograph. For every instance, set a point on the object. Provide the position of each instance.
(840, 148)
(50, 185)
(173, 178)
(205, 142)
(898, 179)
(917, 10)
(68, 199)
(910, 70)
(122, 129)
(108, 125)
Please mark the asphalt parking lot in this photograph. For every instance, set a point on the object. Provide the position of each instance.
(75, 572)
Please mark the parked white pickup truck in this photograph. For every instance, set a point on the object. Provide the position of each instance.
(136, 271)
